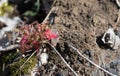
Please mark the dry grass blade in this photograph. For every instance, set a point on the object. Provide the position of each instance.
(52, 9)
(27, 60)
(118, 18)
(118, 3)
(47, 17)
(63, 59)
(92, 61)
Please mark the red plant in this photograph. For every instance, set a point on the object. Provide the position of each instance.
(49, 34)
(33, 36)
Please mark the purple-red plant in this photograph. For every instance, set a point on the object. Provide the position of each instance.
(33, 36)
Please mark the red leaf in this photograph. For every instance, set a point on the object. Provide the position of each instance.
(24, 40)
(50, 35)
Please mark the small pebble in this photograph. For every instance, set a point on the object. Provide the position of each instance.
(59, 74)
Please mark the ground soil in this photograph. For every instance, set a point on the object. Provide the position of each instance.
(81, 23)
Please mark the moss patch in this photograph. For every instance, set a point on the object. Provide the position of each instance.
(13, 67)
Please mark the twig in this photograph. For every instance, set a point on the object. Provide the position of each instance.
(63, 59)
(52, 8)
(118, 3)
(118, 18)
(47, 17)
(25, 63)
(91, 61)
(53, 3)
(27, 60)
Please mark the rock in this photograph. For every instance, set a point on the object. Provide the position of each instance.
(87, 52)
(115, 67)
(113, 71)
(11, 24)
(111, 39)
(59, 74)
(43, 59)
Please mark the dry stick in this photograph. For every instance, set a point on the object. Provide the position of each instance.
(118, 18)
(91, 61)
(47, 17)
(118, 3)
(27, 60)
(52, 8)
(63, 59)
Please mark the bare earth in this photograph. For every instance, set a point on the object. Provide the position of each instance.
(81, 23)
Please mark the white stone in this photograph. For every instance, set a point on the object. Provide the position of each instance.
(114, 40)
(44, 58)
(11, 23)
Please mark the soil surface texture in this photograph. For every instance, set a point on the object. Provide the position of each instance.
(81, 23)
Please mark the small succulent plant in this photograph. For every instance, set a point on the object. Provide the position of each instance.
(34, 35)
